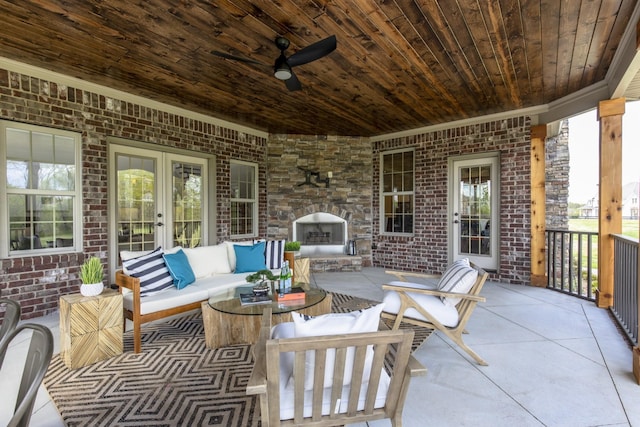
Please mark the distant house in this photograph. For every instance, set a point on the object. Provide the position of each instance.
(630, 204)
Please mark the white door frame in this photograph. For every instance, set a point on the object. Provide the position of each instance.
(490, 260)
(163, 188)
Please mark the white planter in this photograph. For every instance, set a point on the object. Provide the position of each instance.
(91, 289)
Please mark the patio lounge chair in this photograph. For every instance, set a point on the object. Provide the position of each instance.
(445, 308)
(372, 387)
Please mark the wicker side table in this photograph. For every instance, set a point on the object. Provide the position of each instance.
(90, 328)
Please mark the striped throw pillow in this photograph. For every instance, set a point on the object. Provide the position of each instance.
(274, 253)
(459, 277)
(152, 271)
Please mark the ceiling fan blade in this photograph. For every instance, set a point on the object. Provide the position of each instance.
(313, 52)
(235, 58)
(292, 83)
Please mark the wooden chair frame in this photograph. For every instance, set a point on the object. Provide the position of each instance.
(391, 348)
(465, 307)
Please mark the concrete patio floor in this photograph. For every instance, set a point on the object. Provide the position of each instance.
(554, 360)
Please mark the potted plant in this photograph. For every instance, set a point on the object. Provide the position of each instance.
(292, 246)
(91, 275)
(259, 280)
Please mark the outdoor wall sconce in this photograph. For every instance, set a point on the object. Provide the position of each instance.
(309, 173)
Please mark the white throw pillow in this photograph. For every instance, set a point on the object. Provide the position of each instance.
(206, 261)
(459, 277)
(366, 320)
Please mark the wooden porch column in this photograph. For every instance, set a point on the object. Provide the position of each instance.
(610, 207)
(538, 205)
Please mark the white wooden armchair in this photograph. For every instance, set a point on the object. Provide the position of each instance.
(421, 305)
(378, 385)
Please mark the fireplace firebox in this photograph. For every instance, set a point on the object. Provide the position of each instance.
(320, 233)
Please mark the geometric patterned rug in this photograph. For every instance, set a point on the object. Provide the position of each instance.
(175, 381)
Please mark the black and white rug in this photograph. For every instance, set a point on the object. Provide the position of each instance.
(175, 381)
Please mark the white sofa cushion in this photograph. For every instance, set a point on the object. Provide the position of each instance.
(168, 299)
(206, 261)
(444, 313)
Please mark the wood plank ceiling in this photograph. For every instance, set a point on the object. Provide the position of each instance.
(399, 65)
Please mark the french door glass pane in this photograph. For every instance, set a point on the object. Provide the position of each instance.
(136, 203)
(187, 204)
(475, 210)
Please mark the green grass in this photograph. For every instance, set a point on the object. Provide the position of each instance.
(629, 226)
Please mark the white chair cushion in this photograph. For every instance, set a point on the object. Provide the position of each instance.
(287, 330)
(367, 320)
(444, 313)
(287, 398)
(459, 277)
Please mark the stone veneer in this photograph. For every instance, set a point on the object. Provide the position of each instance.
(557, 179)
(348, 195)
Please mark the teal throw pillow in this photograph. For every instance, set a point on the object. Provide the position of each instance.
(250, 258)
(180, 269)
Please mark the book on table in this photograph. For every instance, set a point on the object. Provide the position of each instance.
(251, 299)
(295, 294)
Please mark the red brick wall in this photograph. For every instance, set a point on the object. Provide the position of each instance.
(426, 251)
(38, 281)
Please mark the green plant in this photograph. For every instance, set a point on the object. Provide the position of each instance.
(91, 271)
(261, 277)
(292, 246)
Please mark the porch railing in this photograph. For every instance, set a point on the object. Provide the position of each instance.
(625, 285)
(572, 262)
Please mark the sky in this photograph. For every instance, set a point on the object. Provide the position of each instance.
(583, 151)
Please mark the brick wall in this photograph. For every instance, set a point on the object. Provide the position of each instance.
(349, 193)
(38, 281)
(426, 250)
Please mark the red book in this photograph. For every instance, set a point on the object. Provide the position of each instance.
(295, 294)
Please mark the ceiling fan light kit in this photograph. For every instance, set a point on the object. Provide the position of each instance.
(282, 68)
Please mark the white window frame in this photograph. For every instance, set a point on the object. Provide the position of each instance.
(235, 198)
(383, 194)
(5, 248)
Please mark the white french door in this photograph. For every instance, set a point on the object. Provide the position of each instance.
(474, 210)
(156, 199)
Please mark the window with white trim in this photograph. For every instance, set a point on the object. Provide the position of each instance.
(42, 188)
(397, 191)
(244, 199)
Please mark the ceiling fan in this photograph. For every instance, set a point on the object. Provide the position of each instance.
(282, 68)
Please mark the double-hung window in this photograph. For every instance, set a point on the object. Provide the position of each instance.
(42, 189)
(397, 191)
(244, 199)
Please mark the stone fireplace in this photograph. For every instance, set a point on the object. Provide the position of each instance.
(321, 233)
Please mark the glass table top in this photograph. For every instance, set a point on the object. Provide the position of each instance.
(229, 301)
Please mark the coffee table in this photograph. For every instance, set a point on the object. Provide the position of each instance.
(228, 322)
